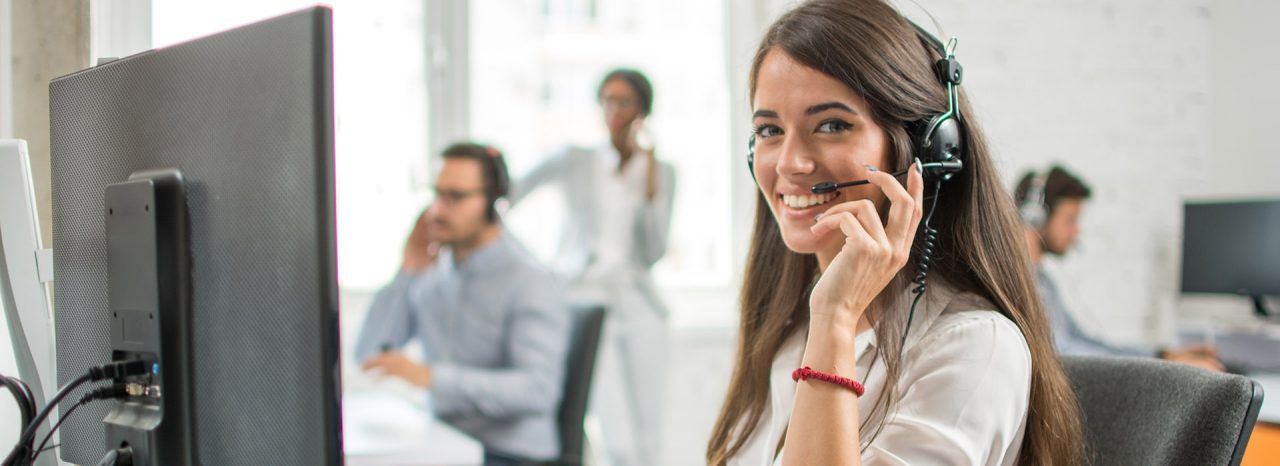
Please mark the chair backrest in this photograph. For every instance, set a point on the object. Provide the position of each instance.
(588, 322)
(1147, 411)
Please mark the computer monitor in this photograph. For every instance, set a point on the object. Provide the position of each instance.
(1233, 248)
(244, 120)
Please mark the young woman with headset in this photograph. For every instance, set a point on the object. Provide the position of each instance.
(845, 356)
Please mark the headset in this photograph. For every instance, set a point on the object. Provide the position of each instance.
(1033, 209)
(497, 178)
(501, 181)
(938, 142)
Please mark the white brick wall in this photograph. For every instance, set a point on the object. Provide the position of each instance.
(1119, 92)
(1152, 102)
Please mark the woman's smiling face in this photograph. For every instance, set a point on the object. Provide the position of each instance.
(811, 128)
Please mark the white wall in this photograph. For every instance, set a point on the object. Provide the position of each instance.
(1118, 92)
(118, 28)
(1242, 161)
(1152, 102)
(6, 69)
(1244, 102)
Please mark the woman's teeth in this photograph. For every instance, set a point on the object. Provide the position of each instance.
(804, 201)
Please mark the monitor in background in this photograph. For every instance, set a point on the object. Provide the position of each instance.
(1232, 248)
(239, 127)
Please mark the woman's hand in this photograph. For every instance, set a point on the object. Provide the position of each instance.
(641, 143)
(872, 253)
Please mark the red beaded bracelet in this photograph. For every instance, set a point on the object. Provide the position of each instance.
(806, 373)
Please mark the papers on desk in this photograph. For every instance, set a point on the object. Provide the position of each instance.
(385, 430)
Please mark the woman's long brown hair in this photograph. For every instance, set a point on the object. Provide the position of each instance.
(870, 47)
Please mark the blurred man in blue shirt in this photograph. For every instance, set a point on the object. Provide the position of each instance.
(493, 323)
(1050, 204)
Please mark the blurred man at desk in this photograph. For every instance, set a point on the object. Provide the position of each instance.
(493, 323)
(1050, 204)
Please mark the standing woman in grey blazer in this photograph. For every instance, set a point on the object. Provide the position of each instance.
(619, 197)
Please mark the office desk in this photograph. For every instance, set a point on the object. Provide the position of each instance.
(1264, 446)
(386, 430)
(1270, 411)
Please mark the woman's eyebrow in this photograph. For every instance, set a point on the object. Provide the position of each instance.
(828, 106)
(819, 108)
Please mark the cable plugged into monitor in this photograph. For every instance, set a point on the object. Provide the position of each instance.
(23, 453)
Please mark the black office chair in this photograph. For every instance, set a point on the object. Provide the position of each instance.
(1146, 411)
(588, 322)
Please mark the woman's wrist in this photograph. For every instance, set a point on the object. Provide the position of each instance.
(830, 349)
(839, 319)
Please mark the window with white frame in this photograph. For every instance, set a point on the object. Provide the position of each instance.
(380, 88)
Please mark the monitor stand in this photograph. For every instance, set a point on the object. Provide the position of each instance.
(1260, 307)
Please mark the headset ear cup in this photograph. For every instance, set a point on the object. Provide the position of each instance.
(1033, 214)
(501, 182)
(939, 140)
(945, 143)
(751, 157)
(1034, 211)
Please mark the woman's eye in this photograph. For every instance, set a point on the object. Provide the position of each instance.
(833, 126)
(767, 131)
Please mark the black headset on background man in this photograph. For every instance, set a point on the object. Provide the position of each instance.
(497, 179)
(1034, 210)
(501, 181)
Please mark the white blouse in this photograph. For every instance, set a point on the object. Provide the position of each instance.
(962, 396)
(619, 198)
(613, 235)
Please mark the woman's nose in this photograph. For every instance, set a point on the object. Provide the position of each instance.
(795, 158)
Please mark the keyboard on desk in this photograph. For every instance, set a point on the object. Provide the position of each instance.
(1244, 352)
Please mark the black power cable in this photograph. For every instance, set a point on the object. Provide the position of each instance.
(23, 451)
(116, 390)
(23, 396)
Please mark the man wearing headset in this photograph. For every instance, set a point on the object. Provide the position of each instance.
(493, 323)
(1050, 204)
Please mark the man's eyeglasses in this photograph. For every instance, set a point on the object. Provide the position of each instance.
(455, 196)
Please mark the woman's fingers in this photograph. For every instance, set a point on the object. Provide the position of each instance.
(847, 224)
(864, 212)
(905, 204)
